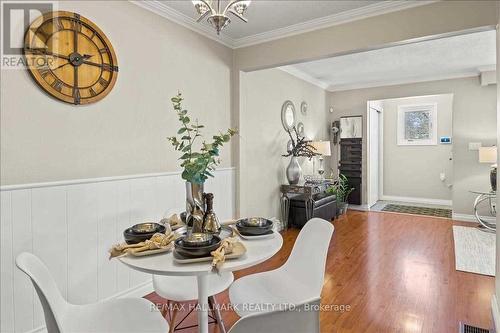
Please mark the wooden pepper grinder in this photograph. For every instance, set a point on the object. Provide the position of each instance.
(210, 221)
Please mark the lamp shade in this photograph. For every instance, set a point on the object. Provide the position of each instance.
(488, 155)
(322, 147)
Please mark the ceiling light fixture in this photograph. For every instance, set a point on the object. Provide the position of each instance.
(218, 18)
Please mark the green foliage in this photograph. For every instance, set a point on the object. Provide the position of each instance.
(197, 165)
(341, 189)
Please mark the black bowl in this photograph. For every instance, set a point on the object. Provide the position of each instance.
(256, 230)
(189, 251)
(146, 228)
(197, 240)
(132, 237)
(256, 222)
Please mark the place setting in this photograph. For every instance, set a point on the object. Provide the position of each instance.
(189, 245)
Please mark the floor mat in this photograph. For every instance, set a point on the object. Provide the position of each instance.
(438, 212)
(474, 250)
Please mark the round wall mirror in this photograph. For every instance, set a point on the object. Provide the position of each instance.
(288, 115)
(303, 108)
(300, 129)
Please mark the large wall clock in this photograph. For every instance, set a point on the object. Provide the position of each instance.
(70, 58)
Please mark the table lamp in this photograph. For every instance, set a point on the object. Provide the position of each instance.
(489, 155)
(323, 149)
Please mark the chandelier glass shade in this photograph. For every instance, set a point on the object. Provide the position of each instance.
(217, 15)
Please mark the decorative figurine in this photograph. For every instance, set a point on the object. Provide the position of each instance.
(210, 221)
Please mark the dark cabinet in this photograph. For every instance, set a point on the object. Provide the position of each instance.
(350, 165)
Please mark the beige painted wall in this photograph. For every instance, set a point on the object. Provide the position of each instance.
(413, 171)
(474, 119)
(46, 140)
(263, 139)
(444, 17)
(429, 20)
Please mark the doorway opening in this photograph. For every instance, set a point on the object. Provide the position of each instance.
(409, 150)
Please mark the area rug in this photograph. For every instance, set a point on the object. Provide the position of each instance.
(474, 250)
(437, 212)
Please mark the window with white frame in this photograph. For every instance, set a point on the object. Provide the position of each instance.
(417, 124)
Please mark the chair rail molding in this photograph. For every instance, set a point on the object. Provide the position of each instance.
(70, 225)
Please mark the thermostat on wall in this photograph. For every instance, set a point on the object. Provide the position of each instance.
(445, 140)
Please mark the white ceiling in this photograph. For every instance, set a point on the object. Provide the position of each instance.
(265, 16)
(458, 56)
(268, 20)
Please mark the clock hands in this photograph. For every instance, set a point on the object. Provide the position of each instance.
(46, 52)
(81, 61)
(102, 66)
(85, 56)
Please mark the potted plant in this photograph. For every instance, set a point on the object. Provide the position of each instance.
(298, 147)
(198, 161)
(342, 190)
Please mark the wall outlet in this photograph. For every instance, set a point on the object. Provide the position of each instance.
(475, 145)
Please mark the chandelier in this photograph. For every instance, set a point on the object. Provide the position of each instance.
(217, 17)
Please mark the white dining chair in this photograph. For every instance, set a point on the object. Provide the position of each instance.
(134, 315)
(299, 279)
(177, 289)
(299, 318)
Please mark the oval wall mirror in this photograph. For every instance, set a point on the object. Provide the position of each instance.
(288, 115)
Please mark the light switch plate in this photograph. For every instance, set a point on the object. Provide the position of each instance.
(475, 145)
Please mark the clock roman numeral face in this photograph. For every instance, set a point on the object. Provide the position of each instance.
(59, 24)
(73, 60)
(76, 95)
(57, 85)
(44, 71)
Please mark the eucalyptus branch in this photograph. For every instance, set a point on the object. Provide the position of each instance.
(197, 165)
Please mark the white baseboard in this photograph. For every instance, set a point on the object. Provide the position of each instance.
(364, 207)
(135, 292)
(469, 218)
(427, 201)
(495, 314)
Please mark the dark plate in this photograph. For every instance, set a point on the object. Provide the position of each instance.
(133, 238)
(254, 231)
(196, 252)
(251, 235)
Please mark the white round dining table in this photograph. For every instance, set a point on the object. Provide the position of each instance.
(258, 250)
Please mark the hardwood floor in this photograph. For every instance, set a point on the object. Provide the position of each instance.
(393, 273)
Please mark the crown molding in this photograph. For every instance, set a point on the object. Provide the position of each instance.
(304, 76)
(380, 83)
(383, 83)
(165, 11)
(375, 9)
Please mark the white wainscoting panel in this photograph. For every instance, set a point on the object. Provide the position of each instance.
(71, 225)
